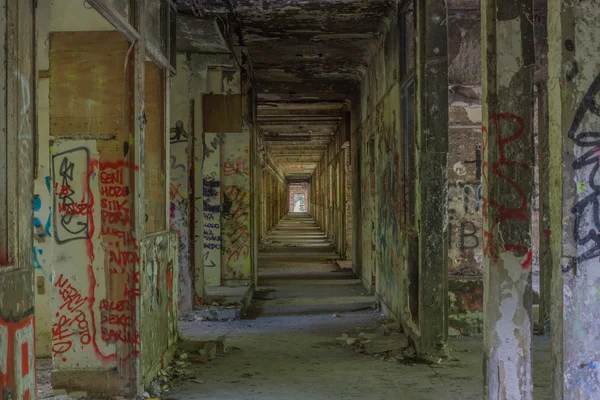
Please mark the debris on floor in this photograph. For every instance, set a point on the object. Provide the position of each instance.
(387, 342)
(189, 353)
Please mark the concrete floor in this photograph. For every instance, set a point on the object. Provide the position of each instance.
(288, 348)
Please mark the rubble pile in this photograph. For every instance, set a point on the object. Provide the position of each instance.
(190, 353)
(386, 342)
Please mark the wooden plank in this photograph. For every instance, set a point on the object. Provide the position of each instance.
(222, 113)
(88, 88)
(155, 150)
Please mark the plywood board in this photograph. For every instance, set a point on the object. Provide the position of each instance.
(222, 113)
(155, 150)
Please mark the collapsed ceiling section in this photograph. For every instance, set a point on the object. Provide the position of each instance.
(308, 58)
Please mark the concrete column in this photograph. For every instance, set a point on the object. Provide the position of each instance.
(17, 165)
(545, 256)
(508, 181)
(431, 101)
(574, 99)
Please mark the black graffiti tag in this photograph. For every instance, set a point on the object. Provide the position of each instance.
(586, 232)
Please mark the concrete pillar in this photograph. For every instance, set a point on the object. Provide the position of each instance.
(574, 98)
(508, 181)
(545, 256)
(431, 101)
(17, 165)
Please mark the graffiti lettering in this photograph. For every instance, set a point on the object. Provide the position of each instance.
(17, 358)
(499, 169)
(237, 166)
(72, 198)
(586, 164)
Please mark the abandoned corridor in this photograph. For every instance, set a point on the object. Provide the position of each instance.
(375, 197)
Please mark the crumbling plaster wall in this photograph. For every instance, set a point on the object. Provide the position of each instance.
(58, 16)
(91, 270)
(181, 131)
(381, 175)
(222, 184)
(376, 132)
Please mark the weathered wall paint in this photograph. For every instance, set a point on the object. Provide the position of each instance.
(211, 209)
(158, 316)
(42, 225)
(181, 141)
(17, 359)
(508, 183)
(59, 16)
(573, 92)
(109, 286)
(381, 175)
(235, 208)
(388, 202)
(78, 257)
(17, 325)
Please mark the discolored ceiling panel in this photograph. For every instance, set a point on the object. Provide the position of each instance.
(308, 58)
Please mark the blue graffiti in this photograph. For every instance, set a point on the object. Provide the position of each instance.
(36, 262)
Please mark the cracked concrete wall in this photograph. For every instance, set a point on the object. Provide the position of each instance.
(377, 132)
(59, 16)
(573, 92)
(181, 142)
(223, 182)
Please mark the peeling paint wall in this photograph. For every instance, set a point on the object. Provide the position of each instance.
(17, 326)
(101, 279)
(223, 180)
(235, 208)
(159, 330)
(57, 16)
(181, 141)
(381, 174)
(573, 93)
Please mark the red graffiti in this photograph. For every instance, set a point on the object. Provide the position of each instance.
(120, 335)
(237, 166)
(71, 318)
(170, 279)
(114, 191)
(503, 212)
(240, 235)
(17, 359)
(120, 306)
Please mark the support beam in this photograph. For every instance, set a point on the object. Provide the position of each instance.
(432, 138)
(574, 96)
(508, 182)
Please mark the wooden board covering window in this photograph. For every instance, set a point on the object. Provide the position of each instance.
(155, 150)
(222, 113)
(88, 84)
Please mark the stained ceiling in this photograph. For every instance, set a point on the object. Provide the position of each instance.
(308, 57)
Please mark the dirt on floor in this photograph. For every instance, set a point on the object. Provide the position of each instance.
(289, 346)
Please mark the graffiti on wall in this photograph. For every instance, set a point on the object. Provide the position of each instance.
(94, 224)
(211, 208)
(586, 227)
(178, 133)
(72, 200)
(17, 359)
(118, 324)
(465, 202)
(179, 209)
(388, 201)
(512, 207)
(236, 208)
